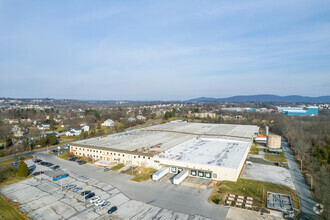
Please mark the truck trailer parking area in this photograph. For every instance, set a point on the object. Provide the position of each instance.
(45, 200)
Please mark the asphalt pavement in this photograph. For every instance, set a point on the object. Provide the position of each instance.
(305, 196)
(145, 124)
(181, 199)
(26, 154)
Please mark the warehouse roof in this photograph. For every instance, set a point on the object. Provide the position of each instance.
(162, 137)
(207, 151)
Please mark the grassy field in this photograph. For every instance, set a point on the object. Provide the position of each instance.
(64, 156)
(275, 157)
(141, 174)
(9, 211)
(8, 172)
(254, 150)
(250, 188)
(117, 167)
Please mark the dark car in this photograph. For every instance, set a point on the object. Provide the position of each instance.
(112, 209)
(106, 169)
(32, 168)
(86, 192)
(43, 163)
(73, 158)
(90, 195)
(36, 160)
(81, 162)
(37, 173)
(49, 164)
(55, 167)
(15, 164)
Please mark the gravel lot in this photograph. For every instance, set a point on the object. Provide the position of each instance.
(268, 173)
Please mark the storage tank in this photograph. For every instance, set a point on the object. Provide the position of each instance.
(180, 177)
(160, 173)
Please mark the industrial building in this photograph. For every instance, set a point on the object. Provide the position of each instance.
(294, 111)
(213, 151)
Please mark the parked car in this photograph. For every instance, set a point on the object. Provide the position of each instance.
(15, 163)
(106, 169)
(99, 202)
(37, 173)
(70, 186)
(55, 167)
(77, 189)
(86, 192)
(104, 204)
(112, 209)
(36, 160)
(95, 199)
(90, 195)
(32, 168)
(81, 162)
(73, 158)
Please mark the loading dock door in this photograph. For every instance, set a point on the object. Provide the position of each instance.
(173, 169)
(200, 174)
(180, 170)
(208, 175)
(193, 172)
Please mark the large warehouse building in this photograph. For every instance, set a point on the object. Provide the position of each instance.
(215, 151)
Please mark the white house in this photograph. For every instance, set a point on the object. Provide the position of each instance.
(131, 119)
(43, 126)
(108, 123)
(140, 117)
(85, 128)
(73, 132)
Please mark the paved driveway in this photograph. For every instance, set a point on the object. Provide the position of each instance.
(306, 199)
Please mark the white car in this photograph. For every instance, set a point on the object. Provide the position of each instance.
(95, 199)
(104, 204)
(99, 202)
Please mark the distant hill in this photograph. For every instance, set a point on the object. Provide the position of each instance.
(265, 98)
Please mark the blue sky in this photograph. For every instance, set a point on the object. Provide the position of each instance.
(164, 50)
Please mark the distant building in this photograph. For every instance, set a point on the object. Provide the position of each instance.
(130, 119)
(43, 126)
(294, 111)
(85, 128)
(205, 115)
(73, 132)
(274, 141)
(140, 117)
(108, 123)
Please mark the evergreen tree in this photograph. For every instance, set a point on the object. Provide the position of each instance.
(23, 170)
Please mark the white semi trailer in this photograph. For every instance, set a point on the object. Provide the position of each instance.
(180, 177)
(160, 173)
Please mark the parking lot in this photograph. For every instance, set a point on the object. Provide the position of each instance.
(43, 198)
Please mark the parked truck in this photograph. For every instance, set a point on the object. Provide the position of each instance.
(180, 177)
(160, 173)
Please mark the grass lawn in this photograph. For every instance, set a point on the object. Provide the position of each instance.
(9, 211)
(8, 172)
(141, 174)
(254, 150)
(275, 157)
(250, 188)
(117, 167)
(63, 156)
